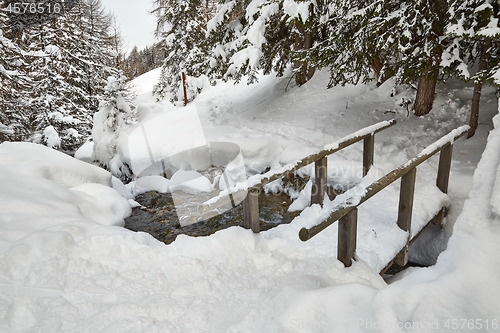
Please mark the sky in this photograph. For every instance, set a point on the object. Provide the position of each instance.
(136, 24)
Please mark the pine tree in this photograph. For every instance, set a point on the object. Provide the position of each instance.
(474, 33)
(348, 45)
(55, 74)
(93, 55)
(247, 36)
(272, 35)
(401, 38)
(133, 66)
(12, 81)
(117, 42)
(414, 31)
(115, 113)
(303, 21)
(51, 97)
(181, 25)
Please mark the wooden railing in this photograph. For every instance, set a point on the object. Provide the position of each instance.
(347, 212)
(250, 191)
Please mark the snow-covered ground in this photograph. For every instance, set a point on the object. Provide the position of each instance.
(67, 265)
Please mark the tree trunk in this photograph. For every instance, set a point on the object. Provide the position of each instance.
(303, 71)
(377, 65)
(429, 76)
(426, 88)
(478, 86)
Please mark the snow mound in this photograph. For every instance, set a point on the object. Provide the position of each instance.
(190, 182)
(153, 183)
(102, 204)
(38, 161)
(44, 190)
(84, 153)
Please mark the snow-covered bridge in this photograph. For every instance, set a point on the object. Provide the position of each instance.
(344, 207)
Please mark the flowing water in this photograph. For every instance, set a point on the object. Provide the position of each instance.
(158, 216)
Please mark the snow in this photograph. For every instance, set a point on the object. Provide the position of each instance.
(84, 153)
(144, 83)
(250, 54)
(297, 9)
(51, 137)
(67, 265)
(95, 200)
(190, 182)
(48, 164)
(162, 136)
(369, 130)
(45, 191)
(495, 156)
(256, 33)
(4, 129)
(152, 183)
(53, 50)
(491, 30)
(219, 16)
(447, 139)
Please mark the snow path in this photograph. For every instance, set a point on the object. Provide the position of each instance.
(66, 265)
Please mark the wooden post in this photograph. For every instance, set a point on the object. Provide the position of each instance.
(251, 210)
(346, 246)
(368, 150)
(444, 168)
(320, 181)
(184, 88)
(439, 217)
(406, 195)
(443, 177)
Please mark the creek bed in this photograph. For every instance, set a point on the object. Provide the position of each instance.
(158, 216)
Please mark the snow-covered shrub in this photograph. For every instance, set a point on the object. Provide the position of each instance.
(114, 115)
(51, 137)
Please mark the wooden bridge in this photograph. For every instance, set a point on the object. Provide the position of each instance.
(346, 213)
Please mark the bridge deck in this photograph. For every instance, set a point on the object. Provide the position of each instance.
(379, 239)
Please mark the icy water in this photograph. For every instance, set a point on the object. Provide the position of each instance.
(158, 216)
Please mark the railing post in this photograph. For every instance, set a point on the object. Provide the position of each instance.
(368, 150)
(320, 181)
(443, 177)
(183, 75)
(406, 195)
(251, 210)
(346, 245)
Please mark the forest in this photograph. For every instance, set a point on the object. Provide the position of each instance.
(53, 75)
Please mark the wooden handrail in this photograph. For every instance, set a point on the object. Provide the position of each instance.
(345, 208)
(258, 181)
(330, 149)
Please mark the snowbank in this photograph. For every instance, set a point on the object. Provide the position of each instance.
(32, 160)
(44, 191)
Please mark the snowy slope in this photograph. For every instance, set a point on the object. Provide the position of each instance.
(66, 265)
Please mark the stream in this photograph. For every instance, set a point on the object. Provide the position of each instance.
(157, 214)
